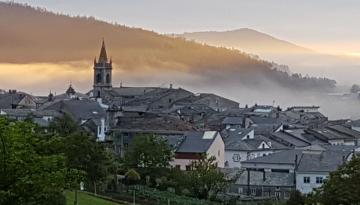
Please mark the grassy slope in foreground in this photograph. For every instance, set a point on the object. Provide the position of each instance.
(85, 199)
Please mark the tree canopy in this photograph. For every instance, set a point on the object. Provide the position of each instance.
(36, 167)
(149, 151)
(342, 187)
(204, 180)
(29, 174)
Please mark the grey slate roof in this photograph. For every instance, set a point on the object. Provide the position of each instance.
(7, 100)
(265, 120)
(334, 132)
(294, 141)
(132, 91)
(195, 143)
(233, 121)
(283, 157)
(32, 112)
(271, 179)
(233, 141)
(83, 109)
(344, 130)
(150, 121)
(258, 139)
(326, 161)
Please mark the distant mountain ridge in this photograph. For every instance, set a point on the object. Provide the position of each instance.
(247, 40)
(31, 35)
(344, 69)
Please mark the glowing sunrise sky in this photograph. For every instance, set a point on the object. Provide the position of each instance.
(329, 26)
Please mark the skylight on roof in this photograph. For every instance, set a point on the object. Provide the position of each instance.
(209, 134)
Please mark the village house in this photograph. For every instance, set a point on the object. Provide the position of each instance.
(17, 100)
(336, 135)
(188, 146)
(305, 115)
(315, 166)
(304, 169)
(196, 145)
(87, 113)
(242, 144)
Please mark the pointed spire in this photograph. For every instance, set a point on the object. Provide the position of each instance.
(70, 90)
(103, 55)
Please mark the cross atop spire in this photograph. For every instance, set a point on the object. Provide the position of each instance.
(103, 55)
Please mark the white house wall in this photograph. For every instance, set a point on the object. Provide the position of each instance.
(306, 188)
(217, 149)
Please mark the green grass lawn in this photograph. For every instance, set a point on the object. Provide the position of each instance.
(85, 199)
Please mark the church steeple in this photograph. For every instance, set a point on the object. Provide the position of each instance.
(102, 73)
(103, 55)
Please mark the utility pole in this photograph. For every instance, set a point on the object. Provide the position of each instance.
(134, 197)
(76, 197)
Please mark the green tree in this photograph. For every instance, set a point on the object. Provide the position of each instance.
(84, 153)
(205, 180)
(296, 198)
(29, 174)
(64, 125)
(342, 187)
(149, 151)
(132, 177)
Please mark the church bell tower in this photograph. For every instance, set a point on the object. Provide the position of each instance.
(102, 73)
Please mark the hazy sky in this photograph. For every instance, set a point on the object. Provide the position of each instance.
(325, 25)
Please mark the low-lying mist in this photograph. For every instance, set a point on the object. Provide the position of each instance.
(40, 79)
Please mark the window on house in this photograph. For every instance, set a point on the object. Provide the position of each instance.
(248, 156)
(177, 167)
(253, 191)
(240, 190)
(319, 180)
(263, 146)
(236, 157)
(286, 195)
(306, 180)
(188, 167)
(170, 100)
(226, 164)
(219, 153)
(278, 194)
